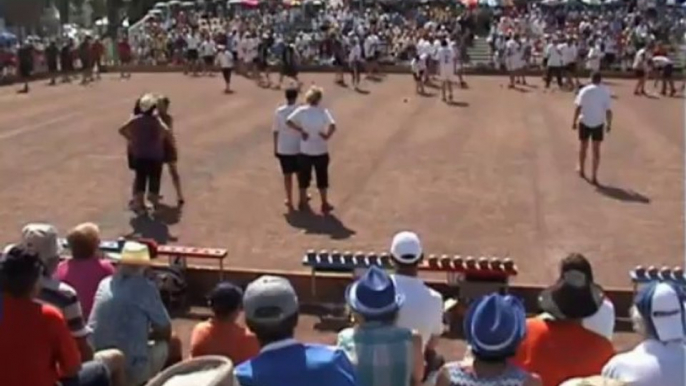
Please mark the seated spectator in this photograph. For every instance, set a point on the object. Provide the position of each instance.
(128, 314)
(660, 359)
(383, 354)
(86, 268)
(422, 310)
(494, 326)
(562, 348)
(603, 321)
(37, 348)
(222, 335)
(271, 312)
(41, 240)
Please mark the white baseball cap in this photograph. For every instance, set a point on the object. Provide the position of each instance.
(406, 248)
(662, 309)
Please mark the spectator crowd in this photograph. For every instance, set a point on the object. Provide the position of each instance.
(76, 319)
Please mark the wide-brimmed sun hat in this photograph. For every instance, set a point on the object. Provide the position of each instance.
(374, 294)
(132, 253)
(573, 296)
(494, 326)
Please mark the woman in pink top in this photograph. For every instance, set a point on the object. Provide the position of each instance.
(85, 269)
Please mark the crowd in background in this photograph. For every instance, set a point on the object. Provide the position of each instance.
(77, 319)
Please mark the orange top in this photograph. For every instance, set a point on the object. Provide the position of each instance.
(560, 350)
(226, 339)
(36, 347)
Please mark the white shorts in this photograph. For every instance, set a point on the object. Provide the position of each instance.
(446, 73)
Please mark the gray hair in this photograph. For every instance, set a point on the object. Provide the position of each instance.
(637, 322)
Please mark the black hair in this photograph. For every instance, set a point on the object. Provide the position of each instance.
(493, 359)
(291, 94)
(596, 77)
(19, 272)
(137, 107)
(267, 333)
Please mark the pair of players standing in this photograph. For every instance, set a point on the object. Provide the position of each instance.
(444, 63)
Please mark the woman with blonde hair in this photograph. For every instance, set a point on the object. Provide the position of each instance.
(316, 126)
(171, 155)
(146, 134)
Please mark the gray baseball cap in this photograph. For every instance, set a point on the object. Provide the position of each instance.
(269, 300)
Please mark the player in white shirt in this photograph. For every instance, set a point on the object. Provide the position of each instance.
(513, 59)
(594, 58)
(225, 61)
(355, 61)
(315, 126)
(446, 58)
(641, 66)
(592, 117)
(192, 52)
(208, 51)
(665, 68)
(418, 66)
(554, 63)
(570, 54)
(371, 43)
(287, 143)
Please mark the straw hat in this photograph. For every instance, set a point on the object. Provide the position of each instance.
(133, 253)
(147, 102)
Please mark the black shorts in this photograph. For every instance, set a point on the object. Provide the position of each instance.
(640, 73)
(289, 163)
(209, 60)
(320, 165)
(571, 67)
(594, 133)
(667, 71)
(226, 73)
(192, 55)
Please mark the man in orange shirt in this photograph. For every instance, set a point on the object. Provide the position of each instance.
(37, 348)
(222, 335)
(561, 348)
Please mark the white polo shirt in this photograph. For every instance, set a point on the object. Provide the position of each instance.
(288, 140)
(422, 309)
(594, 101)
(225, 59)
(554, 55)
(314, 120)
(569, 53)
(650, 363)
(192, 42)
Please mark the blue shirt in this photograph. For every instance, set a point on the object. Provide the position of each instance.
(124, 309)
(295, 364)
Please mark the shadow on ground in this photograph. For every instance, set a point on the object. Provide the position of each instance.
(317, 224)
(155, 226)
(626, 195)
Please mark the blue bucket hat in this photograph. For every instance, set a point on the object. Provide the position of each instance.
(661, 305)
(495, 325)
(373, 294)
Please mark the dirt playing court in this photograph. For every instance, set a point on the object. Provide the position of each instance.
(490, 175)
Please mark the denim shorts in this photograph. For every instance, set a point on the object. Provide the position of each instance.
(92, 373)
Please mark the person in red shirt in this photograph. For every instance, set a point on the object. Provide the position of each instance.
(125, 56)
(558, 347)
(222, 335)
(97, 52)
(37, 348)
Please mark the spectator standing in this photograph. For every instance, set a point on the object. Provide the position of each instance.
(422, 309)
(25, 57)
(125, 55)
(494, 326)
(561, 349)
(289, 66)
(208, 50)
(660, 359)
(570, 54)
(355, 61)
(382, 353)
(128, 314)
(287, 144)
(594, 58)
(271, 312)
(641, 68)
(86, 268)
(316, 126)
(446, 66)
(37, 348)
(86, 59)
(192, 52)
(67, 60)
(222, 335)
(592, 118)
